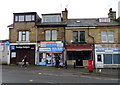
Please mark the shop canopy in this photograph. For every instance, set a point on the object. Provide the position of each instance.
(79, 48)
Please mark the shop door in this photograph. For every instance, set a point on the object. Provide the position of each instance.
(29, 53)
(79, 62)
(13, 57)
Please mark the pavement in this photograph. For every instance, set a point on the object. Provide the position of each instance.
(50, 70)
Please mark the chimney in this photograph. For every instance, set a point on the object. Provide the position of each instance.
(112, 14)
(65, 15)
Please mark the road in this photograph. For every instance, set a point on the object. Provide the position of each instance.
(16, 74)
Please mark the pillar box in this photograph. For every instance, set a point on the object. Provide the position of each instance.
(90, 65)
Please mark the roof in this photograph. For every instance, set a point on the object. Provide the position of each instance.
(26, 13)
(10, 26)
(89, 22)
(46, 24)
(52, 14)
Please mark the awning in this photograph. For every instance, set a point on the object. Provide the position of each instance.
(79, 48)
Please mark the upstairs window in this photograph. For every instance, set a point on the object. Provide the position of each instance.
(79, 36)
(30, 18)
(22, 18)
(107, 36)
(23, 36)
(51, 18)
(50, 35)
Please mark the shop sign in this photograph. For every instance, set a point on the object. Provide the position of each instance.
(14, 47)
(51, 44)
(107, 48)
(50, 49)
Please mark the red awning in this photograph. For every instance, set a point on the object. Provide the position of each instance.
(79, 48)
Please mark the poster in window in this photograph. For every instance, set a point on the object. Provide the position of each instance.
(13, 54)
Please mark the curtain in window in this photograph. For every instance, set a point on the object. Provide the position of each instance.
(54, 34)
(82, 36)
(19, 36)
(75, 36)
(104, 36)
(110, 36)
(47, 35)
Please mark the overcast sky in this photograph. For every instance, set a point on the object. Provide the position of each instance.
(76, 9)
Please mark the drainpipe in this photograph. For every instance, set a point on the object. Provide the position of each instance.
(36, 57)
(93, 49)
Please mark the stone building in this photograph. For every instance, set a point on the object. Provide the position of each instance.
(75, 41)
(22, 36)
(37, 38)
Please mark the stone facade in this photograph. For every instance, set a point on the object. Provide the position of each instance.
(41, 33)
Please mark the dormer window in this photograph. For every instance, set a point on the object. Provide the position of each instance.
(25, 17)
(51, 18)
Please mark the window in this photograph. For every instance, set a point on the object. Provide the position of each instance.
(21, 18)
(29, 18)
(82, 36)
(51, 18)
(107, 36)
(13, 55)
(47, 35)
(23, 35)
(75, 36)
(116, 58)
(54, 34)
(107, 59)
(16, 18)
(50, 35)
(99, 58)
(78, 36)
(111, 58)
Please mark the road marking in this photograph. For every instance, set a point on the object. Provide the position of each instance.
(39, 73)
(31, 80)
(50, 82)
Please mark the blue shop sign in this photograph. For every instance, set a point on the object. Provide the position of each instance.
(7, 43)
(12, 47)
(51, 44)
(50, 49)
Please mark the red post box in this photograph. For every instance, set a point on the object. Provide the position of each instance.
(90, 65)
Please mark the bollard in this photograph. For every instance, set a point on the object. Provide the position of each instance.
(74, 65)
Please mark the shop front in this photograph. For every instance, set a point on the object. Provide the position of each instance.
(17, 53)
(107, 55)
(48, 51)
(78, 55)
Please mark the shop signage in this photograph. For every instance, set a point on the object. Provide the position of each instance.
(50, 49)
(17, 47)
(51, 44)
(107, 48)
(7, 43)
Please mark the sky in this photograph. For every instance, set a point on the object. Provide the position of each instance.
(76, 9)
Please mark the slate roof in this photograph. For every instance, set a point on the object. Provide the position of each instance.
(51, 24)
(90, 22)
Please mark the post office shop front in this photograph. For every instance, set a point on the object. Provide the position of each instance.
(17, 53)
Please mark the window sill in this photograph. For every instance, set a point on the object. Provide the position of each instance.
(22, 41)
(79, 42)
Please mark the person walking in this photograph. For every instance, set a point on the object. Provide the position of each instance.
(24, 60)
(57, 61)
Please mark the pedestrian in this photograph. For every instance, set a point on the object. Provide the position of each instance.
(24, 60)
(57, 58)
